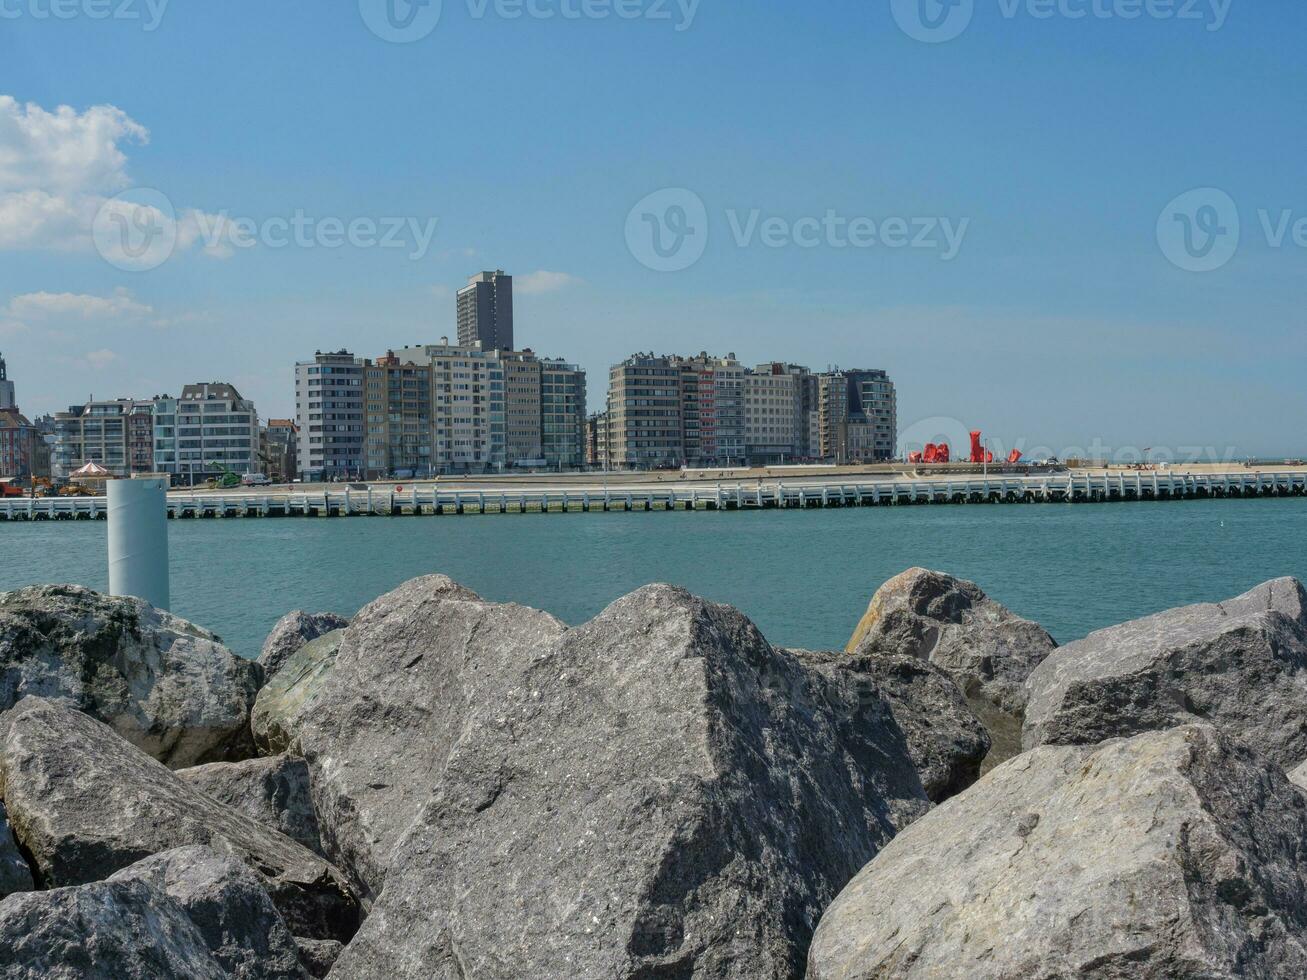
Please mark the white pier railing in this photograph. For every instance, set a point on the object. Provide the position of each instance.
(432, 499)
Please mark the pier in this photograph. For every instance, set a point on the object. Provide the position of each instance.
(434, 499)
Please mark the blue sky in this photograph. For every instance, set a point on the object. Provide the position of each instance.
(1054, 143)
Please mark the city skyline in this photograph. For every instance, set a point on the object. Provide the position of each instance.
(1049, 284)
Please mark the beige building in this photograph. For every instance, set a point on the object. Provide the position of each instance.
(522, 441)
(775, 425)
(467, 406)
(397, 403)
(644, 413)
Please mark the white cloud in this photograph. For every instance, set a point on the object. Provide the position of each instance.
(60, 169)
(544, 282)
(44, 306)
(65, 151)
(99, 359)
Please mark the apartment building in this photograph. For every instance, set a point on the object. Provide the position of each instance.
(217, 432)
(330, 416)
(484, 308)
(858, 416)
(112, 434)
(398, 403)
(776, 425)
(710, 411)
(596, 441)
(562, 414)
(645, 413)
(469, 430)
(279, 441)
(164, 412)
(523, 436)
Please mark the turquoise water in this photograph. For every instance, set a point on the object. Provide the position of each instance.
(803, 576)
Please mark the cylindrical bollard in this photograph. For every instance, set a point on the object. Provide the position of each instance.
(138, 540)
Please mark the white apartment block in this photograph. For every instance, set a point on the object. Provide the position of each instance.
(217, 432)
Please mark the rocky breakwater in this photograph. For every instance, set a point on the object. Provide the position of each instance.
(455, 788)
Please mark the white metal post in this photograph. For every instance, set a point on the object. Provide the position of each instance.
(138, 540)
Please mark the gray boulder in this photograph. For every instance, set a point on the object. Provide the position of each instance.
(107, 930)
(986, 649)
(945, 739)
(274, 791)
(292, 694)
(318, 955)
(15, 875)
(1299, 776)
(83, 804)
(656, 793)
(226, 902)
(1240, 665)
(1170, 854)
(291, 633)
(167, 686)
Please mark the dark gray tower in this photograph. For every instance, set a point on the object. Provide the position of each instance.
(485, 311)
(6, 388)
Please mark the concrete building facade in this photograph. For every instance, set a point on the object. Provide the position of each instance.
(484, 309)
(109, 433)
(217, 432)
(330, 416)
(775, 422)
(562, 414)
(398, 400)
(645, 413)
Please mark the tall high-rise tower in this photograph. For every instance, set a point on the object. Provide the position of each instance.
(7, 399)
(485, 311)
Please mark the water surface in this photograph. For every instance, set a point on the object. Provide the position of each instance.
(803, 576)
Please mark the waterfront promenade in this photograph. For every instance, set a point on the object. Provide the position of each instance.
(592, 493)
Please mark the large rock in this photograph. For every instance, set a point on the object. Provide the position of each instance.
(1240, 665)
(226, 902)
(291, 695)
(167, 686)
(945, 739)
(291, 633)
(318, 955)
(656, 793)
(274, 791)
(987, 649)
(15, 875)
(1171, 854)
(106, 930)
(83, 804)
